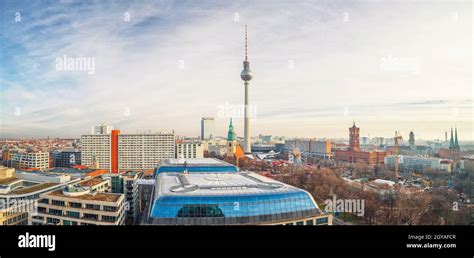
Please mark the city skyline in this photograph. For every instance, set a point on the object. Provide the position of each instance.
(170, 64)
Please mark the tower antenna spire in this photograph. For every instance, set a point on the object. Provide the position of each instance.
(246, 43)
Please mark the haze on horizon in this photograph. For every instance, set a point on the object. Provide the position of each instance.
(318, 66)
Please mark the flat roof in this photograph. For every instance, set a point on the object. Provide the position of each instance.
(33, 188)
(105, 197)
(7, 181)
(195, 162)
(70, 170)
(233, 183)
(39, 173)
(91, 182)
(195, 165)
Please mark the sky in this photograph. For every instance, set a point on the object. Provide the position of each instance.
(162, 65)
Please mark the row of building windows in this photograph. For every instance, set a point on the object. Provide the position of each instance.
(75, 205)
(23, 217)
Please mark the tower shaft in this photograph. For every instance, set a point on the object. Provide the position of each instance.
(247, 148)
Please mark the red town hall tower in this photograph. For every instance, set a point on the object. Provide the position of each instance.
(354, 138)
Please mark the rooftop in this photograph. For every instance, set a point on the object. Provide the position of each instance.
(91, 182)
(235, 183)
(70, 170)
(105, 197)
(195, 162)
(33, 188)
(195, 165)
(7, 181)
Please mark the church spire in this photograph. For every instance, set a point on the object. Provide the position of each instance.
(451, 141)
(231, 133)
(456, 144)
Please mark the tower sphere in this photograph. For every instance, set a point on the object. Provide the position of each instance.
(246, 74)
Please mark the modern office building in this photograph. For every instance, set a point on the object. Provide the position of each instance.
(83, 203)
(208, 128)
(34, 160)
(20, 190)
(122, 152)
(189, 150)
(127, 184)
(12, 216)
(66, 158)
(212, 192)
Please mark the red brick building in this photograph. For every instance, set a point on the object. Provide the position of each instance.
(354, 154)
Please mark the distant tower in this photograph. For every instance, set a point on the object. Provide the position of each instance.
(231, 142)
(354, 138)
(445, 136)
(451, 141)
(454, 149)
(411, 140)
(456, 144)
(246, 76)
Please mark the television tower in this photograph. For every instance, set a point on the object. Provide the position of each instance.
(246, 76)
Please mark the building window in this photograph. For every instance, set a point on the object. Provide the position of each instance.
(55, 212)
(75, 205)
(110, 208)
(73, 214)
(108, 218)
(91, 216)
(57, 203)
(52, 221)
(92, 207)
(322, 220)
(310, 222)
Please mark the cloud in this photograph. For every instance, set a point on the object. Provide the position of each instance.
(174, 62)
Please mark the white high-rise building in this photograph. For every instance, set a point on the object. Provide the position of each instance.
(96, 149)
(208, 128)
(101, 129)
(144, 151)
(133, 151)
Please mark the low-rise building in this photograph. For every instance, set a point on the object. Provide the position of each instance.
(66, 158)
(316, 148)
(6, 172)
(213, 192)
(84, 203)
(36, 160)
(11, 216)
(418, 164)
(127, 184)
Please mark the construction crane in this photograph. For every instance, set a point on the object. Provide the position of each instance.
(396, 138)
